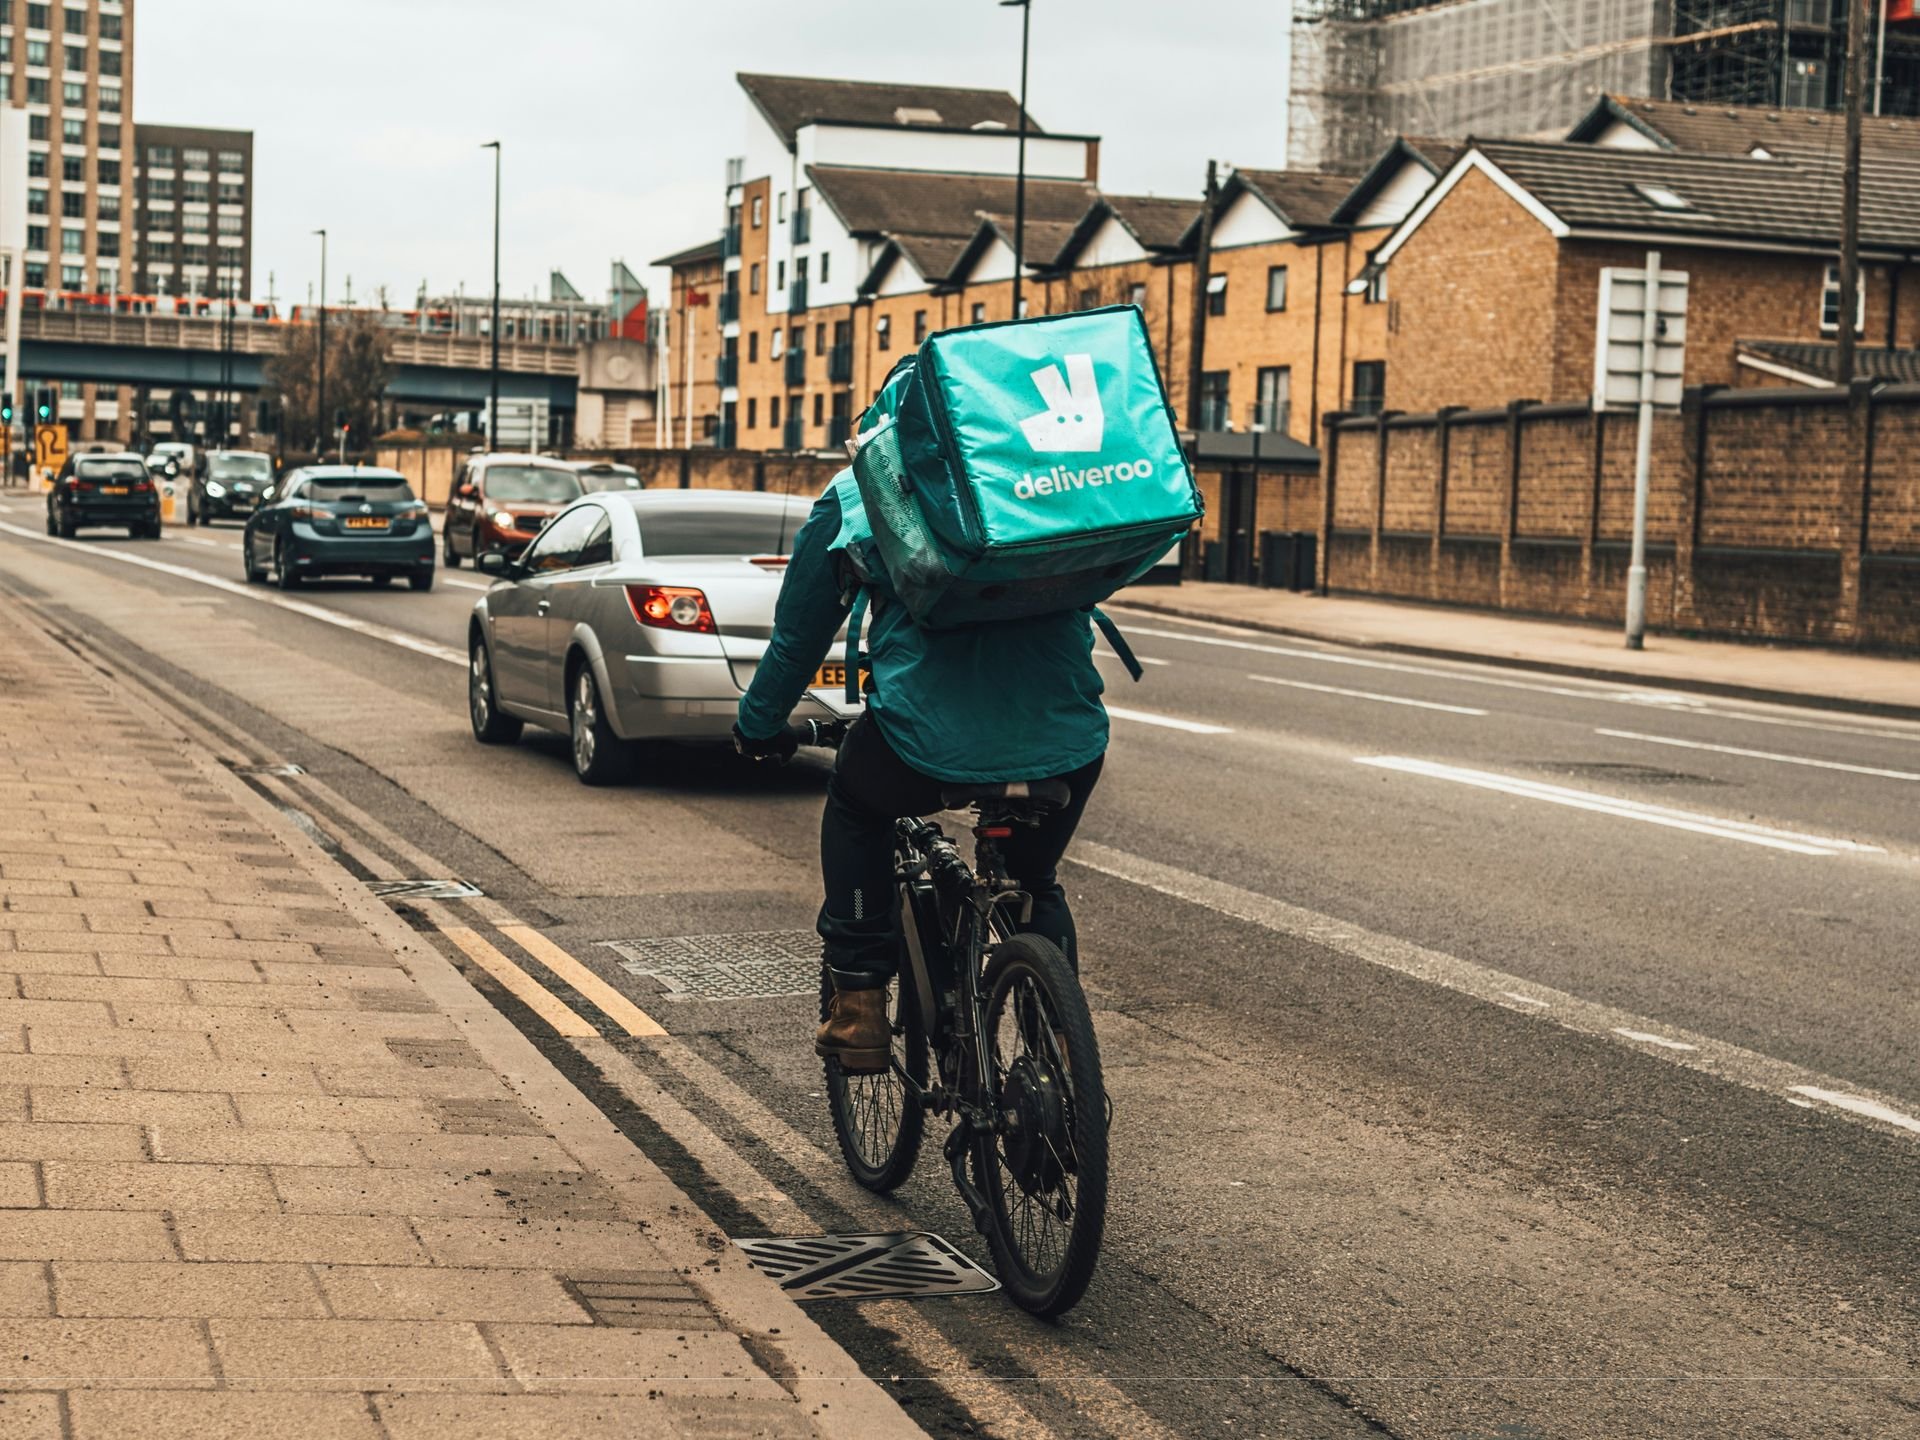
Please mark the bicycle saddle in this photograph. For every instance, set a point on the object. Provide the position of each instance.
(1035, 796)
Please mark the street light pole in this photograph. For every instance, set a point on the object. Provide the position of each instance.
(493, 330)
(320, 390)
(1025, 7)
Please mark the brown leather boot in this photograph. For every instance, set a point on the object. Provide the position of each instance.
(857, 1032)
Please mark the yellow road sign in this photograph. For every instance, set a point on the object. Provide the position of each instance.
(50, 446)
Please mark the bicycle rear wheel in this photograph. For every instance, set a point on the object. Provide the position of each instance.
(1045, 1177)
(876, 1118)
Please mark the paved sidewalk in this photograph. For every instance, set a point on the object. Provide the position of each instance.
(1797, 674)
(270, 1166)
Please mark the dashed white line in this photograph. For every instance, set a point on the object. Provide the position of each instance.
(1145, 717)
(1762, 755)
(1860, 1105)
(1647, 1037)
(1524, 999)
(1792, 841)
(1367, 695)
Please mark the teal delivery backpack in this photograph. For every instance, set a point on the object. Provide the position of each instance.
(1023, 468)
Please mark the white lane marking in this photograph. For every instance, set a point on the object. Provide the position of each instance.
(1367, 695)
(459, 584)
(1793, 841)
(1647, 1037)
(1672, 700)
(263, 596)
(1860, 1105)
(1146, 717)
(1731, 1063)
(1762, 755)
(196, 540)
(1143, 659)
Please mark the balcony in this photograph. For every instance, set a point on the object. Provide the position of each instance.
(729, 306)
(838, 428)
(840, 364)
(726, 370)
(730, 243)
(793, 433)
(797, 366)
(797, 298)
(802, 226)
(724, 437)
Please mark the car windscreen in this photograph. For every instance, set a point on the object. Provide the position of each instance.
(111, 472)
(240, 467)
(531, 484)
(697, 529)
(596, 481)
(367, 487)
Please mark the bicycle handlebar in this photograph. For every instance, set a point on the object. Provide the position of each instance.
(819, 734)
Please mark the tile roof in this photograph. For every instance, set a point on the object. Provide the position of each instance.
(1791, 199)
(1736, 129)
(1158, 222)
(1044, 239)
(1437, 156)
(791, 101)
(1304, 198)
(703, 253)
(934, 256)
(927, 203)
(1816, 358)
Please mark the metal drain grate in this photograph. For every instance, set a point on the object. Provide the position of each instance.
(866, 1267)
(757, 966)
(423, 889)
(287, 769)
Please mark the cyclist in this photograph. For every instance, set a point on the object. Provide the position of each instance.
(1019, 700)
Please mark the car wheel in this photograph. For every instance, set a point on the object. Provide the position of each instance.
(255, 575)
(422, 581)
(447, 551)
(52, 527)
(137, 532)
(66, 525)
(283, 570)
(491, 725)
(600, 757)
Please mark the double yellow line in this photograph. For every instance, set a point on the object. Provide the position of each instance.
(542, 1001)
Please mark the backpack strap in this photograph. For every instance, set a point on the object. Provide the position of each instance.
(855, 617)
(1117, 641)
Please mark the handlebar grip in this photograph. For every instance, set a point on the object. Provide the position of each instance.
(819, 734)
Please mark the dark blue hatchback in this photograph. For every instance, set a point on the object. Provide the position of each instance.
(339, 520)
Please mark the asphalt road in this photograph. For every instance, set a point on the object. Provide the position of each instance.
(1492, 1054)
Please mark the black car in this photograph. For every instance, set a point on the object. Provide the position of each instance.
(339, 520)
(109, 489)
(228, 486)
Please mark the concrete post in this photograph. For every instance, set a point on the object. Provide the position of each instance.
(1442, 426)
(1329, 483)
(1510, 501)
(1855, 515)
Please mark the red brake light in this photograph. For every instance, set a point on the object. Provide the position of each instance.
(768, 562)
(671, 607)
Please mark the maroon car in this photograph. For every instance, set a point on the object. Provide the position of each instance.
(500, 502)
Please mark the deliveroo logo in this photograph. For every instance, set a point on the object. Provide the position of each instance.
(1073, 419)
(1073, 422)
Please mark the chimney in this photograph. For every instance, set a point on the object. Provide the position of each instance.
(1093, 160)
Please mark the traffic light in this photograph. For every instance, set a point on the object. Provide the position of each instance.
(6, 411)
(44, 403)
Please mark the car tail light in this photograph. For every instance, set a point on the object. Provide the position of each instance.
(311, 512)
(669, 607)
(768, 562)
(141, 485)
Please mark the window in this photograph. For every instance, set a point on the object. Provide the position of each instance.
(76, 58)
(193, 159)
(819, 408)
(826, 258)
(1830, 301)
(193, 254)
(883, 333)
(558, 546)
(1216, 294)
(6, 47)
(73, 167)
(107, 207)
(919, 326)
(779, 217)
(194, 220)
(109, 27)
(35, 275)
(797, 341)
(1023, 307)
(599, 547)
(753, 413)
(776, 344)
(1088, 299)
(159, 189)
(72, 277)
(160, 155)
(73, 205)
(39, 17)
(73, 92)
(800, 270)
(160, 250)
(76, 21)
(1376, 285)
(108, 172)
(1276, 287)
(753, 278)
(39, 90)
(109, 247)
(1213, 400)
(37, 164)
(759, 210)
(979, 312)
(233, 194)
(820, 338)
(38, 52)
(231, 224)
(753, 349)
(109, 62)
(36, 237)
(37, 127)
(773, 412)
(232, 161)
(36, 201)
(195, 190)
(73, 130)
(1369, 387)
(73, 242)
(1273, 398)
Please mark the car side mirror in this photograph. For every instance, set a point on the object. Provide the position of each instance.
(493, 562)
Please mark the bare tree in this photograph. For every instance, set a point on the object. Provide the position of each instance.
(357, 373)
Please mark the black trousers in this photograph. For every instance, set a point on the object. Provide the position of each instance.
(871, 787)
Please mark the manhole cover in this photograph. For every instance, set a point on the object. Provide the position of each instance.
(757, 966)
(423, 889)
(1628, 774)
(866, 1267)
(287, 769)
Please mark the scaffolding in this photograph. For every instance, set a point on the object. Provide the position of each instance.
(1364, 71)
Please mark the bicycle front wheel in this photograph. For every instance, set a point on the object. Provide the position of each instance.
(1045, 1175)
(876, 1118)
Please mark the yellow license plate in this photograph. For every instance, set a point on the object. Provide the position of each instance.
(834, 677)
(113, 489)
(366, 522)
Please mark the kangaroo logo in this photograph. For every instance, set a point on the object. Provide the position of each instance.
(1073, 419)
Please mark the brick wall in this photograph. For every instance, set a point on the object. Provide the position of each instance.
(1773, 514)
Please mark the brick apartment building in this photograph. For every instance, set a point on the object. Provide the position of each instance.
(1495, 272)
(194, 201)
(862, 217)
(688, 334)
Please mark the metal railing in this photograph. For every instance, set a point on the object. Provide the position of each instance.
(726, 370)
(797, 297)
(840, 364)
(729, 306)
(796, 366)
(793, 433)
(730, 242)
(839, 427)
(802, 226)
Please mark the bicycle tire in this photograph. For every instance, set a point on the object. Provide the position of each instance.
(878, 1123)
(998, 1169)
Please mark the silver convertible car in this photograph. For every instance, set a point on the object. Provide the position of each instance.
(635, 615)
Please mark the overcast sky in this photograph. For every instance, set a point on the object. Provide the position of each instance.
(617, 115)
